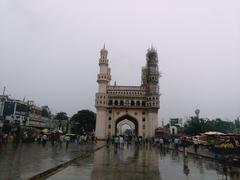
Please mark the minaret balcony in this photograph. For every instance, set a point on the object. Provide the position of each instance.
(103, 77)
(103, 61)
(100, 103)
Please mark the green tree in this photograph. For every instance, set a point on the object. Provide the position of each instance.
(61, 116)
(45, 113)
(83, 121)
(196, 126)
(167, 125)
(223, 126)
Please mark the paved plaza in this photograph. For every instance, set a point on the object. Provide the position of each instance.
(127, 163)
(26, 160)
(141, 162)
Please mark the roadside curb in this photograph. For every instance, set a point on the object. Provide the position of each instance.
(63, 165)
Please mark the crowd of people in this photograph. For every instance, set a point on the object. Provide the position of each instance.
(59, 139)
(54, 137)
(6, 138)
(18, 136)
(120, 140)
(162, 142)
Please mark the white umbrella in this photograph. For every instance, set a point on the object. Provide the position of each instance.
(213, 133)
(60, 131)
(45, 130)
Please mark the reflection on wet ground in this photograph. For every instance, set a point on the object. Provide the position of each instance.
(130, 162)
(138, 163)
(26, 160)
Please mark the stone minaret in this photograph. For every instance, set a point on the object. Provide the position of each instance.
(103, 79)
(152, 72)
(150, 79)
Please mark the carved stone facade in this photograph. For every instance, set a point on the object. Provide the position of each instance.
(132, 105)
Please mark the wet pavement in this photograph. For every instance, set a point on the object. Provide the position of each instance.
(140, 162)
(26, 160)
(128, 163)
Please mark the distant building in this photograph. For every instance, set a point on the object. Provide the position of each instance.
(176, 125)
(17, 112)
(2, 100)
(162, 132)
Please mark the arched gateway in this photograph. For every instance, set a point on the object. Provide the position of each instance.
(126, 120)
(134, 106)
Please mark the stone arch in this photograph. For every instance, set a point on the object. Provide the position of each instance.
(129, 118)
(123, 123)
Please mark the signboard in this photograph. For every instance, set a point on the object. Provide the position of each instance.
(174, 121)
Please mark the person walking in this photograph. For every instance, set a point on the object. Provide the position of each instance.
(116, 142)
(44, 139)
(121, 141)
(195, 146)
(176, 143)
(161, 143)
(1, 139)
(67, 139)
(61, 140)
(184, 144)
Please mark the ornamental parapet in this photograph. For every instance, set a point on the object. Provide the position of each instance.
(133, 107)
(126, 91)
(127, 94)
(127, 88)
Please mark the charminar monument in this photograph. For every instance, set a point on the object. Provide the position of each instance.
(134, 106)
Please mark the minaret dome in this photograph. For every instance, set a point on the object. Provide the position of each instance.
(104, 50)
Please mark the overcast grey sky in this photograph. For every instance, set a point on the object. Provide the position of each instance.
(49, 51)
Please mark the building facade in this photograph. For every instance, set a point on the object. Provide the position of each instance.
(135, 106)
(20, 113)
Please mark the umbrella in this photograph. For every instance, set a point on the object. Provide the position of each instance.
(60, 131)
(45, 130)
(70, 134)
(213, 133)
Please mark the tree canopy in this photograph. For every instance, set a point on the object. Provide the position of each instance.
(197, 125)
(45, 113)
(61, 116)
(83, 121)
